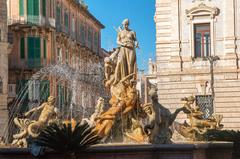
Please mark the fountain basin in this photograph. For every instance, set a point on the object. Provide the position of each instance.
(201, 150)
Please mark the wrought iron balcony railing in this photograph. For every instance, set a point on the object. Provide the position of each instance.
(32, 20)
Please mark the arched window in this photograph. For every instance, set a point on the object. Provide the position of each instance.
(1, 86)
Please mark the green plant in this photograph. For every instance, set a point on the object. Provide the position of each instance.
(222, 135)
(67, 138)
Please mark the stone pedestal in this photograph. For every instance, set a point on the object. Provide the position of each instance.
(211, 150)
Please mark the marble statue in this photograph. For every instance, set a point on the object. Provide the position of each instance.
(48, 113)
(120, 80)
(160, 120)
(126, 63)
(197, 125)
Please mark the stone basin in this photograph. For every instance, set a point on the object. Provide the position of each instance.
(200, 150)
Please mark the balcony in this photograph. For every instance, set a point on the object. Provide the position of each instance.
(32, 20)
(34, 63)
(28, 64)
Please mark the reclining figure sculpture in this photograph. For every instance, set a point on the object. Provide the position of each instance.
(32, 127)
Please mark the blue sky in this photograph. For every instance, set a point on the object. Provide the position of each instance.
(141, 15)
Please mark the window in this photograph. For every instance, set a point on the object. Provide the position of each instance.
(10, 37)
(59, 55)
(60, 94)
(1, 86)
(66, 56)
(45, 49)
(44, 8)
(12, 90)
(90, 37)
(73, 25)
(21, 7)
(96, 42)
(205, 103)
(44, 90)
(22, 48)
(22, 85)
(33, 91)
(82, 30)
(33, 7)
(66, 20)
(58, 19)
(34, 52)
(202, 40)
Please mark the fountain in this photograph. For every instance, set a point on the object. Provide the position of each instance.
(121, 128)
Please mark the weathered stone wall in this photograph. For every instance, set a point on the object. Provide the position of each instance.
(180, 74)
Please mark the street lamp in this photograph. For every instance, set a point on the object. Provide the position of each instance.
(211, 60)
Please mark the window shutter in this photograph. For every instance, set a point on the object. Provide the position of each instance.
(45, 49)
(30, 7)
(44, 90)
(22, 48)
(36, 7)
(34, 52)
(21, 8)
(37, 48)
(44, 8)
(30, 48)
(58, 20)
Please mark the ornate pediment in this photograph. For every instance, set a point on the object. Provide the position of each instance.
(202, 10)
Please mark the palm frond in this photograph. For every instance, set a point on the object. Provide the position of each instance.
(65, 138)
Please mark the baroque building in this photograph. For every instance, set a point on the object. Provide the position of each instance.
(45, 32)
(3, 65)
(197, 53)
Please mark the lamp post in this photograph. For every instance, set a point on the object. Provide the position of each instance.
(211, 60)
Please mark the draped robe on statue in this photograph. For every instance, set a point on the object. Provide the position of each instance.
(126, 63)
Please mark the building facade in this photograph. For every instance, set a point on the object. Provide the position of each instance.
(3, 65)
(197, 53)
(45, 32)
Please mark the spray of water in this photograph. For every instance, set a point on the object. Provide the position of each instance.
(83, 85)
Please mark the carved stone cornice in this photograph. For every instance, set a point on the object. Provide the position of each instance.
(202, 10)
